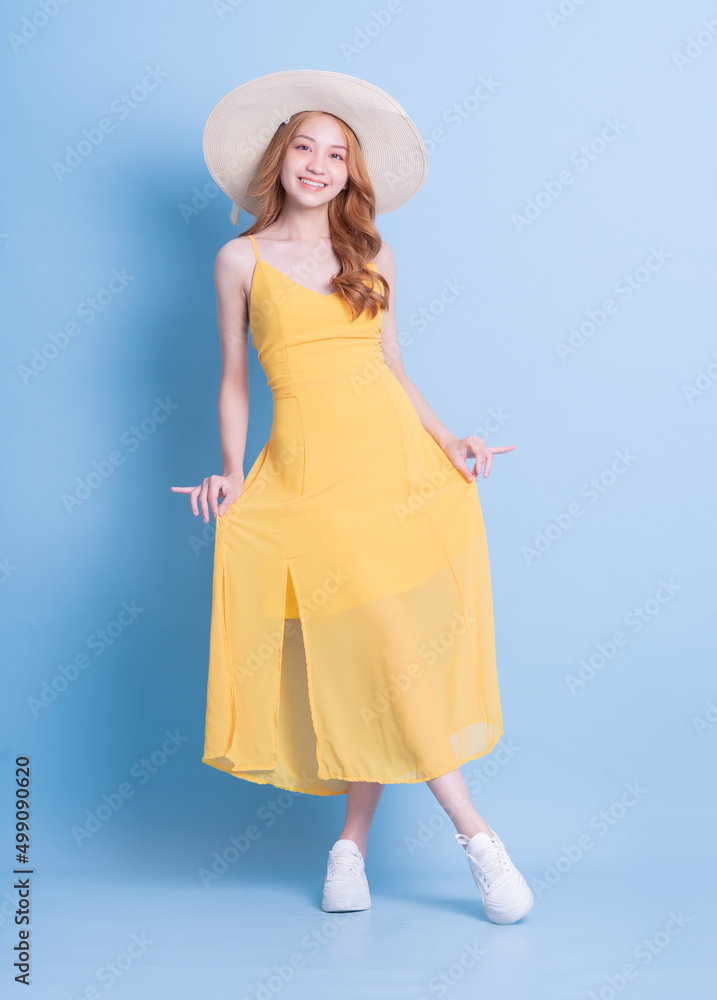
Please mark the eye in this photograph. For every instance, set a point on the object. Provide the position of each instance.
(302, 145)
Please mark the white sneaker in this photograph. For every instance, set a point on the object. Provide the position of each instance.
(346, 886)
(506, 895)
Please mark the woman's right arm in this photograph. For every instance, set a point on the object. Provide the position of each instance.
(233, 400)
(233, 267)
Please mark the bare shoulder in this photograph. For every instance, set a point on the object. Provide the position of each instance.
(235, 261)
(384, 259)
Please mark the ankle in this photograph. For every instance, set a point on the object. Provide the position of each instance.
(360, 843)
(471, 829)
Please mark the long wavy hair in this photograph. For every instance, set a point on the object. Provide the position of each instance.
(354, 237)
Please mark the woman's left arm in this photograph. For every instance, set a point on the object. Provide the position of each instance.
(457, 449)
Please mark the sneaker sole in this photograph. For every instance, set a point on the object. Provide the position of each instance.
(344, 905)
(520, 911)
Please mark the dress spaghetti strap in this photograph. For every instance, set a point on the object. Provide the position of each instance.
(253, 243)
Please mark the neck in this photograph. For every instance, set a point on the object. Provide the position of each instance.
(307, 225)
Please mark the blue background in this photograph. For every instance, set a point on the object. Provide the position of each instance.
(535, 256)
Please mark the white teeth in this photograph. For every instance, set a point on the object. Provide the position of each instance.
(305, 180)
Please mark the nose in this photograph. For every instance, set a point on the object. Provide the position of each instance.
(313, 164)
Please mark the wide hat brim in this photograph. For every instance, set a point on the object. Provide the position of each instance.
(241, 124)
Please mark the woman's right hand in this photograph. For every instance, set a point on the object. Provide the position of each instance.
(230, 487)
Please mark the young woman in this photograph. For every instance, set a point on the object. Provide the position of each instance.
(352, 636)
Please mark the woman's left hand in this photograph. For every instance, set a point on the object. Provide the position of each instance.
(459, 448)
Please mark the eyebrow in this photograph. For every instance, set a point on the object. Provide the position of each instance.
(334, 146)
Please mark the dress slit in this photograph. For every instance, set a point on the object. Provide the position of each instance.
(295, 730)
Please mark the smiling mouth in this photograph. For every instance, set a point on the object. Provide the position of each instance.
(317, 185)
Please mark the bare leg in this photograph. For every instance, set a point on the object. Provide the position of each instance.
(450, 790)
(361, 801)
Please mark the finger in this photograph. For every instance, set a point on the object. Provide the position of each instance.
(460, 463)
(193, 492)
(463, 468)
(220, 490)
(212, 493)
(500, 451)
(456, 454)
(225, 505)
(229, 498)
(488, 465)
(203, 500)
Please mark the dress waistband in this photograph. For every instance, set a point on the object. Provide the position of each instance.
(376, 373)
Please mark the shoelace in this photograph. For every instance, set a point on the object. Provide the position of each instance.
(492, 864)
(344, 864)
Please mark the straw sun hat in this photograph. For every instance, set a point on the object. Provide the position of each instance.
(241, 124)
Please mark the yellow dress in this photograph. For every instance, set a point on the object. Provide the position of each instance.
(352, 622)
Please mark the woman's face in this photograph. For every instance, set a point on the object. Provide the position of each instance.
(317, 153)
